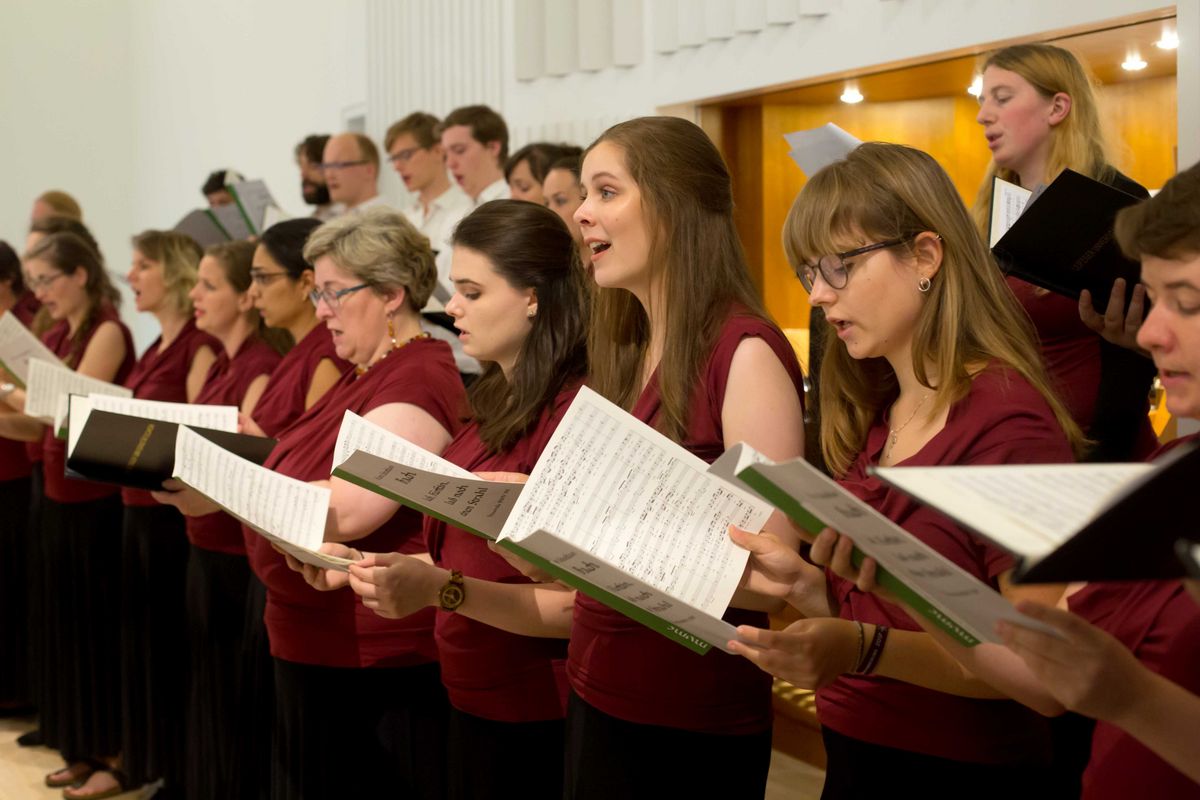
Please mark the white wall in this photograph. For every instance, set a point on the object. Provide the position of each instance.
(129, 104)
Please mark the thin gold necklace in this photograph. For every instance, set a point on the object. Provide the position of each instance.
(894, 433)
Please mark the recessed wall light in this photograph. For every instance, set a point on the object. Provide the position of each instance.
(852, 95)
(976, 87)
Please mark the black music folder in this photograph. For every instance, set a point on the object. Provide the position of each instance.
(1063, 241)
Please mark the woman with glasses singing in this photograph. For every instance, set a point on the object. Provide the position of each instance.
(360, 708)
(80, 523)
(930, 361)
(217, 572)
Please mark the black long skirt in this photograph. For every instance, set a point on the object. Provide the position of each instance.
(860, 769)
(216, 610)
(256, 708)
(154, 644)
(359, 732)
(498, 760)
(36, 580)
(14, 593)
(81, 714)
(611, 757)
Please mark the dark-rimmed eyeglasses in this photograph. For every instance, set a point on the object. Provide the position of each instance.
(833, 267)
(33, 284)
(332, 299)
(403, 156)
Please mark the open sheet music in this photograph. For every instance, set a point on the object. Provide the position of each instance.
(288, 512)
(931, 584)
(612, 508)
(17, 346)
(1069, 522)
(1008, 201)
(51, 383)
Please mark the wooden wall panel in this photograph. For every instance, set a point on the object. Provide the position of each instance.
(1139, 115)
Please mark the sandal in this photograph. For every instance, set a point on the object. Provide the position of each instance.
(70, 774)
(81, 792)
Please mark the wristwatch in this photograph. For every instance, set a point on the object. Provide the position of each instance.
(6, 389)
(451, 596)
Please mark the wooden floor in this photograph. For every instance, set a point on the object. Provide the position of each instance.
(23, 768)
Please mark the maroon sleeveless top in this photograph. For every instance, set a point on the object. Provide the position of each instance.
(54, 450)
(163, 376)
(226, 385)
(15, 461)
(488, 672)
(283, 401)
(1002, 420)
(333, 629)
(627, 670)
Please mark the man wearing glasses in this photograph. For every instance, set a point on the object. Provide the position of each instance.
(417, 156)
(350, 165)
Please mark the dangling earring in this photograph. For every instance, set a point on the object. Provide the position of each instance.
(392, 332)
(923, 285)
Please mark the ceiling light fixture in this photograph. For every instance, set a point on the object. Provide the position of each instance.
(1169, 41)
(852, 95)
(1133, 62)
(976, 87)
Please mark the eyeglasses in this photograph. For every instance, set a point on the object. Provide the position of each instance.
(41, 283)
(264, 278)
(833, 266)
(329, 166)
(332, 299)
(403, 156)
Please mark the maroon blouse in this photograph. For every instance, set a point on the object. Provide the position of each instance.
(332, 628)
(488, 672)
(16, 457)
(629, 671)
(1160, 624)
(226, 385)
(1002, 420)
(163, 376)
(54, 450)
(283, 400)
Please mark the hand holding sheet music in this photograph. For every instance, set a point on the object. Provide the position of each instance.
(18, 346)
(288, 512)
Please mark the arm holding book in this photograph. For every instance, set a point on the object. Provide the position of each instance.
(1090, 672)
(395, 585)
(1116, 327)
(762, 409)
(355, 511)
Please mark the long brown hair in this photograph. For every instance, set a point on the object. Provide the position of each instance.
(1076, 143)
(969, 317)
(69, 253)
(236, 259)
(687, 199)
(531, 248)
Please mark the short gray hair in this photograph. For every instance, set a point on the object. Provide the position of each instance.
(382, 249)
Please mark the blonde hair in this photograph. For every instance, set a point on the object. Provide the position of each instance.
(968, 319)
(1077, 142)
(62, 204)
(179, 256)
(382, 249)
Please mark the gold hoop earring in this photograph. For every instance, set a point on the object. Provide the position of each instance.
(923, 285)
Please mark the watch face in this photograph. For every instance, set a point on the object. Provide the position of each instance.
(451, 596)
